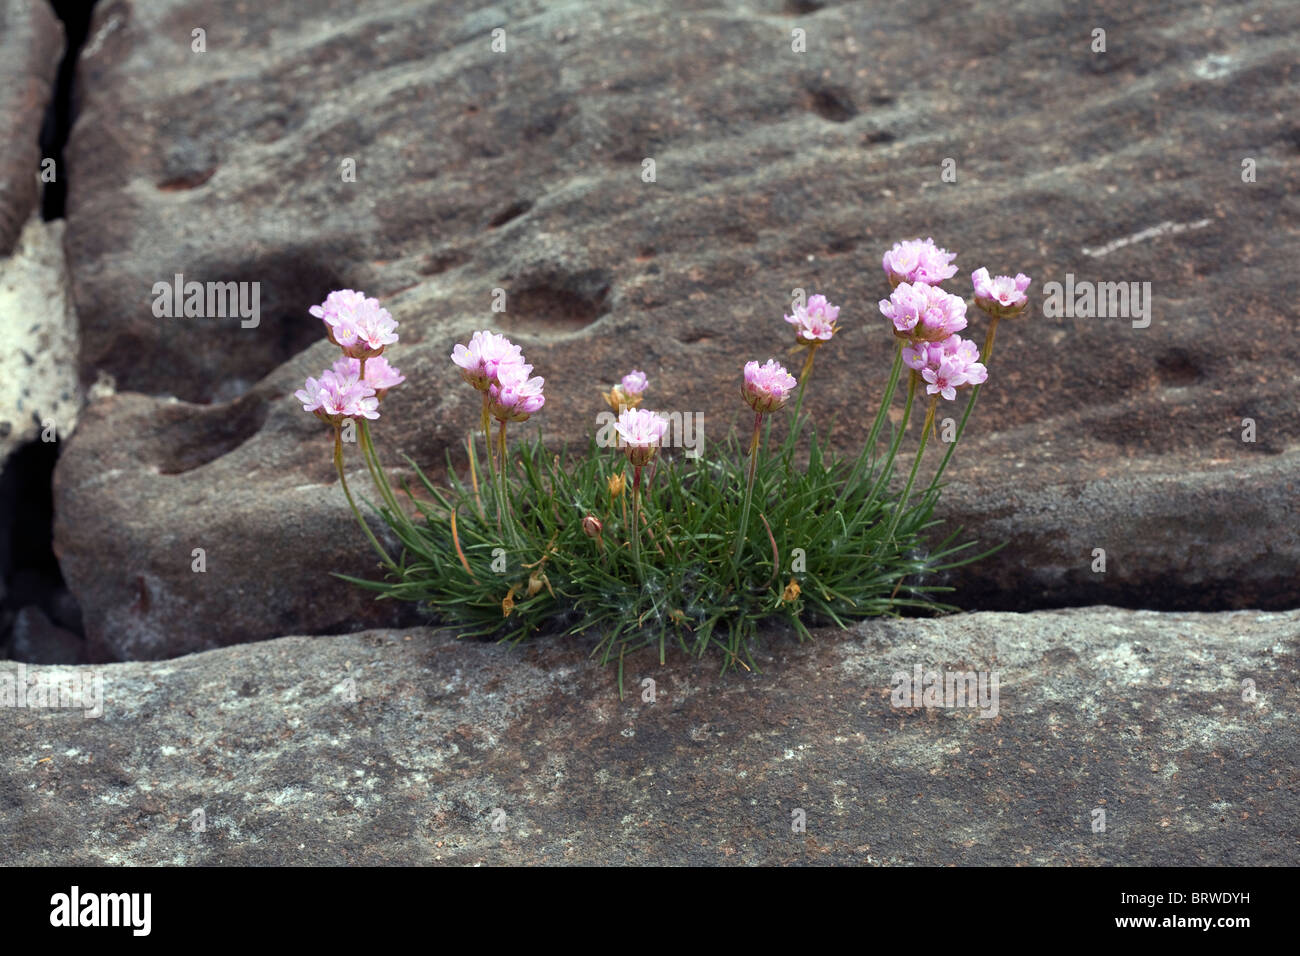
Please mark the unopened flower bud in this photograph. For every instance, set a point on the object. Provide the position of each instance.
(592, 526)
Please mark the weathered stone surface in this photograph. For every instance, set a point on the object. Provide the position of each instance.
(1140, 714)
(31, 42)
(522, 171)
(39, 387)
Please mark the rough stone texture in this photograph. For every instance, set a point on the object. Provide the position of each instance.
(1138, 713)
(31, 42)
(774, 170)
(39, 386)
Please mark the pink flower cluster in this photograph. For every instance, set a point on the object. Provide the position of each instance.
(767, 387)
(363, 329)
(918, 260)
(357, 324)
(946, 366)
(495, 365)
(814, 322)
(929, 318)
(923, 312)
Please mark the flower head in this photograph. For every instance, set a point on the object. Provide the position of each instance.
(640, 432)
(814, 322)
(767, 387)
(482, 360)
(1002, 296)
(334, 397)
(635, 383)
(946, 366)
(514, 396)
(924, 313)
(379, 374)
(919, 354)
(357, 324)
(627, 393)
(918, 260)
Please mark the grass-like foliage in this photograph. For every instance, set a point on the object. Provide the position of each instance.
(644, 546)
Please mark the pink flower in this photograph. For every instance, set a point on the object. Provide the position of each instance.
(815, 322)
(379, 374)
(310, 395)
(946, 366)
(335, 397)
(944, 378)
(920, 354)
(923, 312)
(918, 260)
(1002, 296)
(483, 359)
(767, 387)
(641, 432)
(513, 397)
(357, 324)
(634, 383)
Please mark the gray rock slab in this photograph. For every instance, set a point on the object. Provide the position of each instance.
(403, 747)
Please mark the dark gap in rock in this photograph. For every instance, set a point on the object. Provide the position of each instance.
(833, 103)
(76, 16)
(511, 212)
(40, 620)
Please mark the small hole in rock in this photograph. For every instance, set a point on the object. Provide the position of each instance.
(833, 103)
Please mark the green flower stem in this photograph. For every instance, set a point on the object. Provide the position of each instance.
(985, 354)
(503, 495)
(886, 400)
(911, 478)
(792, 436)
(377, 474)
(338, 464)
(952, 445)
(636, 522)
(987, 351)
(885, 472)
(487, 444)
(743, 532)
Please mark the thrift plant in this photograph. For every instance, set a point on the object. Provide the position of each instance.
(641, 547)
